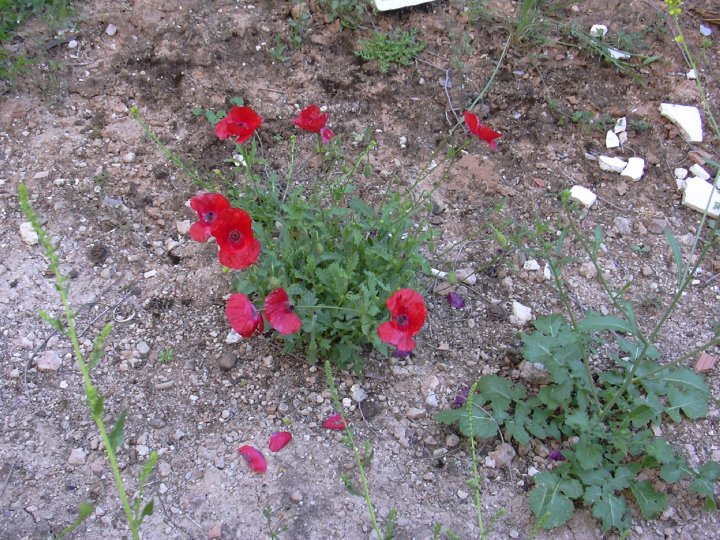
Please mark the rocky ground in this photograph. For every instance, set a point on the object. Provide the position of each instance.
(116, 209)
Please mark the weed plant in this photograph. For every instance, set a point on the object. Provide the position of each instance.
(399, 48)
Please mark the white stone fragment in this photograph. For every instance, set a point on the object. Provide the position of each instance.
(620, 125)
(386, 5)
(48, 362)
(598, 30)
(72, 44)
(680, 173)
(697, 194)
(634, 169)
(531, 265)
(111, 30)
(618, 54)
(466, 275)
(150, 274)
(522, 314)
(612, 164)
(358, 393)
(698, 171)
(705, 30)
(183, 227)
(233, 337)
(583, 195)
(681, 184)
(612, 140)
(28, 234)
(691, 75)
(686, 117)
(547, 272)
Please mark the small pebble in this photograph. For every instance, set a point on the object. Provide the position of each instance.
(111, 30)
(296, 496)
(77, 457)
(462, 494)
(227, 361)
(414, 413)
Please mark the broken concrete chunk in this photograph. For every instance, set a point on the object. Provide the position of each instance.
(698, 171)
(623, 136)
(685, 117)
(697, 194)
(386, 5)
(620, 125)
(612, 164)
(583, 195)
(634, 169)
(612, 140)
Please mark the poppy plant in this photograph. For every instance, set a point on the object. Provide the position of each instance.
(312, 120)
(408, 315)
(254, 458)
(279, 312)
(208, 207)
(238, 246)
(242, 315)
(278, 440)
(483, 132)
(335, 421)
(241, 123)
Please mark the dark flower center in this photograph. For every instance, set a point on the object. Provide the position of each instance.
(402, 320)
(235, 236)
(210, 216)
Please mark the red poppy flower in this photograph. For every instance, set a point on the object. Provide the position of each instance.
(242, 315)
(238, 246)
(482, 131)
(254, 458)
(335, 422)
(208, 206)
(311, 119)
(241, 123)
(278, 440)
(326, 134)
(408, 315)
(279, 312)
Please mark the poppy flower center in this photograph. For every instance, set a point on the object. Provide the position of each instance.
(402, 321)
(235, 236)
(209, 216)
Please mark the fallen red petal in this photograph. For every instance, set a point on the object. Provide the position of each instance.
(335, 422)
(254, 458)
(278, 440)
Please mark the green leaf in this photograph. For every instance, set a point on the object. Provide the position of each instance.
(550, 499)
(661, 450)
(52, 321)
(146, 511)
(704, 483)
(676, 253)
(98, 349)
(85, 510)
(499, 392)
(589, 454)
(693, 404)
(612, 511)
(238, 101)
(116, 435)
(597, 322)
(577, 420)
(641, 416)
(674, 472)
(652, 503)
(483, 423)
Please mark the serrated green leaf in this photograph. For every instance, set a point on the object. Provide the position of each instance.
(623, 477)
(499, 392)
(641, 416)
(652, 503)
(578, 420)
(483, 423)
(674, 472)
(693, 404)
(98, 349)
(597, 322)
(117, 434)
(612, 511)
(661, 450)
(589, 454)
(547, 501)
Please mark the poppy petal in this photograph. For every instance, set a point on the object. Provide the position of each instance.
(335, 422)
(240, 122)
(279, 313)
(254, 458)
(278, 440)
(242, 315)
(208, 207)
(311, 119)
(326, 135)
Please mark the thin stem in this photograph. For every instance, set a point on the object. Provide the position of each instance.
(321, 306)
(476, 475)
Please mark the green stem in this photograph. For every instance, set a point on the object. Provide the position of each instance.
(476, 475)
(322, 306)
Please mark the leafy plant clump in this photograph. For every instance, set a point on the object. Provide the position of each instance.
(398, 48)
(598, 423)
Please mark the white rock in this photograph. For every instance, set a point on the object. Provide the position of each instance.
(111, 30)
(680, 173)
(40, 175)
(532, 471)
(77, 457)
(583, 195)
(612, 164)
(386, 5)
(685, 117)
(691, 75)
(129, 157)
(357, 393)
(598, 30)
(698, 171)
(233, 337)
(623, 137)
(523, 314)
(149, 274)
(681, 184)
(28, 234)
(634, 169)
(618, 54)
(183, 227)
(466, 275)
(413, 413)
(72, 44)
(612, 140)
(697, 194)
(705, 30)
(620, 125)
(531, 265)
(547, 272)
(49, 361)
